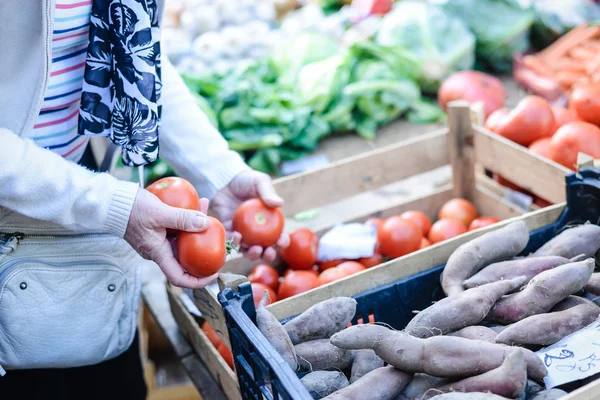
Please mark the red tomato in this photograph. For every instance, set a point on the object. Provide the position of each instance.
(530, 120)
(562, 116)
(203, 253)
(459, 209)
(424, 243)
(419, 218)
(303, 249)
(541, 147)
(211, 334)
(258, 291)
(312, 271)
(351, 267)
(297, 282)
(266, 275)
(573, 138)
(226, 354)
(496, 119)
(585, 101)
(445, 229)
(176, 192)
(541, 202)
(482, 221)
(398, 237)
(372, 261)
(323, 265)
(331, 275)
(473, 86)
(258, 224)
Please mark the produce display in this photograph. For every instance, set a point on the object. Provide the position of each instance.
(478, 342)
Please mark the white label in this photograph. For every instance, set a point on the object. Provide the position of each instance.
(189, 304)
(350, 241)
(304, 164)
(520, 199)
(575, 357)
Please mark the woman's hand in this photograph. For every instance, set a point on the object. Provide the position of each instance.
(146, 233)
(248, 185)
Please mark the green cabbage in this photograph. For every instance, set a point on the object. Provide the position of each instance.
(439, 41)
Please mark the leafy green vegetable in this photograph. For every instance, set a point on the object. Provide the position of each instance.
(501, 27)
(555, 18)
(439, 41)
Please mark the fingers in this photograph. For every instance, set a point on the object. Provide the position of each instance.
(204, 205)
(254, 253)
(179, 219)
(237, 239)
(163, 256)
(269, 255)
(284, 240)
(266, 191)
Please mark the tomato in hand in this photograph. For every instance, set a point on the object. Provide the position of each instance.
(266, 275)
(203, 253)
(372, 261)
(445, 229)
(323, 265)
(303, 249)
(419, 218)
(258, 291)
(482, 222)
(175, 192)
(258, 224)
(297, 282)
(398, 237)
(459, 209)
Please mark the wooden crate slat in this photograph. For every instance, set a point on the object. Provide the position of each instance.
(394, 270)
(460, 149)
(219, 369)
(489, 204)
(362, 173)
(591, 391)
(542, 177)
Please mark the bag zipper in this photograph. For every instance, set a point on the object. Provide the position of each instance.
(10, 240)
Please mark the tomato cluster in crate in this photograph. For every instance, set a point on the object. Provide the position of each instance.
(396, 236)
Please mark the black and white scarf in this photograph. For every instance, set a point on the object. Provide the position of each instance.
(122, 86)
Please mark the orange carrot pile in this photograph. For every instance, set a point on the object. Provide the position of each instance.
(572, 61)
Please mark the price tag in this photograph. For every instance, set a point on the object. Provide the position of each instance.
(350, 241)
(575, 357)
(188, 303)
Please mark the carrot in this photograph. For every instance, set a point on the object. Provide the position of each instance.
(566, 79)
(569, 64)
(536, 65)
(575, 37)
(594, 64)
(582, 53)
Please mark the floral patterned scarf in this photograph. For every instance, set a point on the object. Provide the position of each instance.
(122, 85)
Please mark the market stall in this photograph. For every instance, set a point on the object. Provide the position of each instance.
(349, 106)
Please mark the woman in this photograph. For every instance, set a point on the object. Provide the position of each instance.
(70, 237)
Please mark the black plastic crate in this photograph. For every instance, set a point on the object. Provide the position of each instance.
(262, 372)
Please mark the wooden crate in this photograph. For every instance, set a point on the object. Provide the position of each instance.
(374, 185)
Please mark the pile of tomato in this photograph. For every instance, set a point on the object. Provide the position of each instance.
(396, 236)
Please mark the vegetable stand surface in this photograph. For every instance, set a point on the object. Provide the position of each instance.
(376, 184)
(388, 292)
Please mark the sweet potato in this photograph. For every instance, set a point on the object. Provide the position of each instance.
(543, 292)
(582, 239)
(593, 285)
(507, 380)
(547, 329)
(419, 385)
(275, 334)
(320, 354)
(468, 396)
(364, 362)
(572, 301)
(322, 320)
(322, 383)
(476, 332)
(552, 394)
(467, 259)
(383, 383)
(461, 310)
(442, 356)
(529, 267)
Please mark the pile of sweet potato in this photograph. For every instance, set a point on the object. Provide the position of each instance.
(477, 343)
